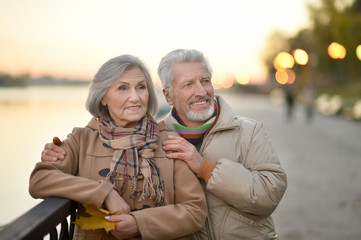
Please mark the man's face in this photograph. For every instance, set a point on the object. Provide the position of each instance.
(192, 94)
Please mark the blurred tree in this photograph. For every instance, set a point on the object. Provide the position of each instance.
(8, 80)
(304, 40)
(277, 42)
(335, 21)
(331, 21)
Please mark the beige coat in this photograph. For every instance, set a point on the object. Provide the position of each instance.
(248, 182)
(79, 178)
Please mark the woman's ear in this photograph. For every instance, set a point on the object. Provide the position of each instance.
(104, 103)
(168, 97)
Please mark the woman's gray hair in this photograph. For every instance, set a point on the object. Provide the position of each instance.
(179, 56)
(108, 74)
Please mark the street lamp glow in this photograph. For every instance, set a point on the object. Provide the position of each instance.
(281, 76)
(283, 60)
(291, 75)
(243, 78)
(301, 56)
(336, 51)
(285, 76)
(358, 52)
(228, 83)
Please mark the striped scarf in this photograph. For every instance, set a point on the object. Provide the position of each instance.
(133, 158)
(194, 135)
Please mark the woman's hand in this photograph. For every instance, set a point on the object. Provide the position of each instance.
(115, 203)
(126, 226)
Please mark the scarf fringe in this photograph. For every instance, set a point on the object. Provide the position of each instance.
(152, 191)
(149, 190)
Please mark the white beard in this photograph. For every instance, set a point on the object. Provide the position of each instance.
(200, 117)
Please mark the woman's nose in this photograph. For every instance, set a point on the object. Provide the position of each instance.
(133, 96)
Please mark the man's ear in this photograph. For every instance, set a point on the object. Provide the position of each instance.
(168, 97)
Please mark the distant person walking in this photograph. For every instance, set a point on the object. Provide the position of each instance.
(290, 101)
(308, 101)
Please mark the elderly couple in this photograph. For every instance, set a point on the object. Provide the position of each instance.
(152, 173)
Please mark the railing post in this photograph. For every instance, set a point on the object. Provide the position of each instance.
(41, 220)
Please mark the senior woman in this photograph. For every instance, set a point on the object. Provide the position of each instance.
(117, 162)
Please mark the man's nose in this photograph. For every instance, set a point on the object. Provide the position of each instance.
(200, 91)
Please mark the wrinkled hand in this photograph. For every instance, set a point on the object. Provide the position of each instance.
(126, 226)
(52, 152)
(184, 150)
(115, 203)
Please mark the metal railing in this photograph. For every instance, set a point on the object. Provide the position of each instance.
(43, 219)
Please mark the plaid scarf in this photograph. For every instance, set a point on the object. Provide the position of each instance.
(133, 158)
(194, 135)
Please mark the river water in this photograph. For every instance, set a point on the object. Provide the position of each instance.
(30, 117)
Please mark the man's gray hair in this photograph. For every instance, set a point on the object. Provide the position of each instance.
(179, 56)
(108, 74)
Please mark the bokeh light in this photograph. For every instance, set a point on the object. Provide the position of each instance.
(291, 76)
(217, 82)
(301, 56)
(243, 78)
(222, 81)
(336, 51)
(281, 76)
(285, 76)
(283, 60)
(358, 52)
(228, 83)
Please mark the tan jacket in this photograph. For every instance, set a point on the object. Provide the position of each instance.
(248, 181)
(79, 178)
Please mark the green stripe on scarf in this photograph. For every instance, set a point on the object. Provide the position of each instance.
(205, 126)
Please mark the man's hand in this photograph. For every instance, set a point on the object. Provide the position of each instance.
(126, 226)
(184, 150)
(52, 152)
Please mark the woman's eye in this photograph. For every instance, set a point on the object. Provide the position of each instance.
(142, 87)
(122, 88)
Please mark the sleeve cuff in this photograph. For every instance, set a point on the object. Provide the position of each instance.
(102, 192)
(206, 169)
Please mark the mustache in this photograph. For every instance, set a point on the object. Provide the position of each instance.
(197, 99)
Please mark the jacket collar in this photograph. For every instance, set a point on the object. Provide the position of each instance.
(93, 124)
(227, 117)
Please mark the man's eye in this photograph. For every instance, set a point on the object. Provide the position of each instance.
(207, 80)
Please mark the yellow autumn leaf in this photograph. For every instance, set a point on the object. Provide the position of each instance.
(96, 219)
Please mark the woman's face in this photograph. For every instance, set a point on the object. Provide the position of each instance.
(127, 98)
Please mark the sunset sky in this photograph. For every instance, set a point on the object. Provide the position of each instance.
(73, 38)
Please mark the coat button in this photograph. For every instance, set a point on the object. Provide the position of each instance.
(104, 172)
